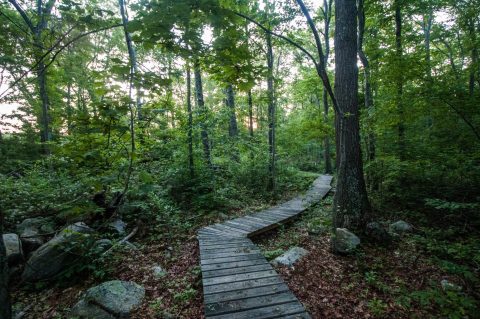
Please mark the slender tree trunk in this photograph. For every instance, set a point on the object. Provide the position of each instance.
(5, 306)
(203, 112)
(133, 70)
(190, 123)
(474, 57)
(69, 108)
(250, 113)
(230, 101)
(366, 73)
(351, 205)
(327, 15)
(399, 84)
(132, 54)
(271, 116)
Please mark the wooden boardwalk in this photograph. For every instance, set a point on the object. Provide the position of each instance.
(238, 282)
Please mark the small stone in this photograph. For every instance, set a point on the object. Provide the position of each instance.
(13, 246)
(448, 286)
(158, 271)
(345, 241)
(111, 299)
(400, 227)
(290, 257)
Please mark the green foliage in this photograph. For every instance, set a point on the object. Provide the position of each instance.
(451, 304)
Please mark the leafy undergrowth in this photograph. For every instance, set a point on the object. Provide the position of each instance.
(400, 281)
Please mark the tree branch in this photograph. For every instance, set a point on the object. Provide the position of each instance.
(24, 16)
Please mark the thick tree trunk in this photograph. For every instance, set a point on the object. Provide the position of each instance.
(351, 205)
(190, 123)
(202, 111)
(399, 84)
(271, 116)
(5, 307)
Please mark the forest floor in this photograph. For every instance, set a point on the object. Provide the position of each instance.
(398, 281)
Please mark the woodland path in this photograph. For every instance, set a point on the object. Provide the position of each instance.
(238, 282)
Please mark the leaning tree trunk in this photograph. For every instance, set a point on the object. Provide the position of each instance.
(351, 205)
(5, 307)
(203, 112)
(271, 116)
(190, 123)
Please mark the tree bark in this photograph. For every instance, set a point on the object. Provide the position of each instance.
(230, 101)
(399, 80)
(250, 113)
(351, 205)
(271, 116)
(190, 123)
(327, 16)
(366, 72)
(5, 306)
(203, 112)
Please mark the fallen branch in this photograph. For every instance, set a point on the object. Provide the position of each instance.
(134, 231)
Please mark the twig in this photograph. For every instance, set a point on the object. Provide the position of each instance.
(134, 231)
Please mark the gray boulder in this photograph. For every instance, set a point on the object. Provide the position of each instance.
(290, 257)
(109, 300)
(400, 227)
(32, 231)
(13, 246)
(344, 241)
(55, 255)
(118, 225)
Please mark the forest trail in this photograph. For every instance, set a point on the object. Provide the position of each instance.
(238, 282)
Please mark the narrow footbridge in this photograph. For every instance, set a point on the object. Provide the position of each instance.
(238, 282)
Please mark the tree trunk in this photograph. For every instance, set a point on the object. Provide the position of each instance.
(230, 101)
(271, 116)
(5, 307)
(132, 54)
(399, 84)
(327, 15)
(203, 112)
(250, 113)
(351, 205)
(190, 123)
(366, 72)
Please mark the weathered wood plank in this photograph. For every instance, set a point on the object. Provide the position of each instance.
(276, 311)
(239, 285)
(239, 277)
(237, 264)
(237, 270)
(249, 303)
(245, 293)
(230, 259)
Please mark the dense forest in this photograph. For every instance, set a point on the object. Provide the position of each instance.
(126, 127)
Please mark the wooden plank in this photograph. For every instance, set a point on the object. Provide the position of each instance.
(226, 246)
(244, 226)
(245, 293)
(248, 303)
(229, 229)
(239, 285)
(276, 311)
(230, 259)
(263, 221)
(253, 223)
(224, 249)
(216, 255)
(211, 241)
(237, 264)
(239, 277)
(237, 270)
